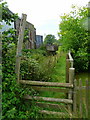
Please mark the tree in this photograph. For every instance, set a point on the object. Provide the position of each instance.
(74, 37)
(49, 39)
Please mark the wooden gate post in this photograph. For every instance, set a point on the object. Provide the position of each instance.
(80, 99)
(67, 70)
(71, 81)
(19, 45)
(74, 97)
(88, 98)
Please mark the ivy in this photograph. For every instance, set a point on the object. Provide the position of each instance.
(13, 104)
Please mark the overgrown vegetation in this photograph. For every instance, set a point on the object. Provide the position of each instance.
(13, 105)
(38, 65)
(35, 65)
(74, 37)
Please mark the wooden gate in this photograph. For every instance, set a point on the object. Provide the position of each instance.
(68, 88)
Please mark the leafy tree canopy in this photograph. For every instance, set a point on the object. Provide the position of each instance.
(50, 39)
(74, 36)
(7, 15)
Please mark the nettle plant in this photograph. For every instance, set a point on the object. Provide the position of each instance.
(13, 104)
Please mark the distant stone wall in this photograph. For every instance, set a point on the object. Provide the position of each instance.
(31, 42)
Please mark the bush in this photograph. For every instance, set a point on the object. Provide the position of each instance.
(36, 66)
(12, 98)
(29, 69)
(74, 37)
(33, 70)
(13, 104)
(81, 60)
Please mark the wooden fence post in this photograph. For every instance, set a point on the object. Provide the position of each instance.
(67, 70)
(74, 97)
(88, 98)
(19, 45)
(80, 97)
(71, 75)
(71, 80)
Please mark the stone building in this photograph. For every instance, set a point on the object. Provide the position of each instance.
(30, 43)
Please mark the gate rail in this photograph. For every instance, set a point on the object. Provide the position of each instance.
(69, 88)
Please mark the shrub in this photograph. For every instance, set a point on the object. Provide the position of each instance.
(74, 37)
(13, 104)
(29, 69)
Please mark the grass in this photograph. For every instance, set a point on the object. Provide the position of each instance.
(58, 73)
(55, 67)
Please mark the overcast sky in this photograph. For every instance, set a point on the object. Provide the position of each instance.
(44, 14)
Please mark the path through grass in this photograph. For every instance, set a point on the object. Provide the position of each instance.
(59, 71)
(57, 75)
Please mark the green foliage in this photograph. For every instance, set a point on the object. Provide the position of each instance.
(13, 104)
(7, 16)
(29, 69)
(50, 39)
(74, 37)
(59, 50)
(58, 73)
(35, 65)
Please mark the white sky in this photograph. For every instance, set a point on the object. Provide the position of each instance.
(44, 14)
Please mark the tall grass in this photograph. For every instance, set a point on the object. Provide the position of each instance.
(58, 75)
(53, 69)
(58, 72)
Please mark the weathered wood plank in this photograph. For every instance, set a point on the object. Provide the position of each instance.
(67, 70)
(80, 98)
(19, 45)
(52, 113)
(87, 97)
(52, 106)
(71, 75)
(66, 90)
(71, 79)
(81, 88)
(53, 84)
(69, 64)
(74, 98)
(70, 57)
(67, 101)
